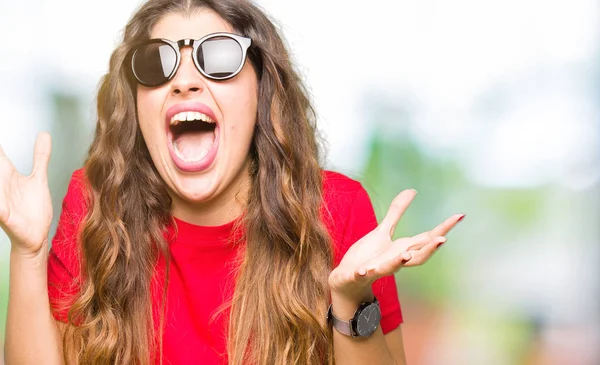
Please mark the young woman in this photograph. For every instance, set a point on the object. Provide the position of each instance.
(202, 229)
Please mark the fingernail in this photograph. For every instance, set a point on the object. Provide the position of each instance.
(461, 218)
(362, 271)
(441, 243)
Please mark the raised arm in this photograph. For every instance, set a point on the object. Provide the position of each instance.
(372, 257)
(32, 336)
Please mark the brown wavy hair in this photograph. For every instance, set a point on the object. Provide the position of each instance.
(279, 305)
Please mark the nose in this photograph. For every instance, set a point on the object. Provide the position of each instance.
(188, 79)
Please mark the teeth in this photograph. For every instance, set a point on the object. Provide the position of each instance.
(190, 116)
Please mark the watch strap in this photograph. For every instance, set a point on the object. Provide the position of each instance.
(343, 327)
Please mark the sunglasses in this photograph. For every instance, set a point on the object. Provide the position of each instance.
(218, 56)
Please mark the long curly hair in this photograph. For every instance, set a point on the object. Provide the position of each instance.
(278, 309)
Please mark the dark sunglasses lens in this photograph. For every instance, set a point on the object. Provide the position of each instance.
(153, 63)
(220, 57)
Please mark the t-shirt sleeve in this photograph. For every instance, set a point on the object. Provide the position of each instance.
(362, 220)
(63, 258)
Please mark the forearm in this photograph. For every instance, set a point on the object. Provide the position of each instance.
(372, 350)
(31, 333)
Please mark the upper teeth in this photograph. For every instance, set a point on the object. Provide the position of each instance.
(189, 116)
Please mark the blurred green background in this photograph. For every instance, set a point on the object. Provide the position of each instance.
(487, 108)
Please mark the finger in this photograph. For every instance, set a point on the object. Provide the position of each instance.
(390, 267)
(386, 264)
(443, 228)
(361, 274)
(2, 154)
(419, 257)
(415, 242)
(418, 241)
(396, 210)
(384, 267)
(412, 243)
(41, 154)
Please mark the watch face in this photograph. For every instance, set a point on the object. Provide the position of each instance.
(368, 320)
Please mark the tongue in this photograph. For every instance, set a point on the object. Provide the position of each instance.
(194, 145)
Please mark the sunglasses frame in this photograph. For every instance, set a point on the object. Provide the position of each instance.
(243, 42)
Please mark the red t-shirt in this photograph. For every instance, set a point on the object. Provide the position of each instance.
(201, 273)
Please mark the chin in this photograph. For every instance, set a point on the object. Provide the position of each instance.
(195, 189)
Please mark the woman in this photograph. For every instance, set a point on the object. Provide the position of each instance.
(202, 228)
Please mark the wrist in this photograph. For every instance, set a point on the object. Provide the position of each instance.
(344, 306)
(18, 252)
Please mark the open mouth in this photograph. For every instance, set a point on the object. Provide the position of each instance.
(192, 138)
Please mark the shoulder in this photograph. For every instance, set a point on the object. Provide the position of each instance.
(337, 185)
(75, 201)
(73, 212)
(77, 183)
(342, 193)
(347, 210)
(333, 179)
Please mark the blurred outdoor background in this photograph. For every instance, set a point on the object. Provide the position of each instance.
(491, 108)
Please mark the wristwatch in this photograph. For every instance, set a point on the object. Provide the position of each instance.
(365, 321)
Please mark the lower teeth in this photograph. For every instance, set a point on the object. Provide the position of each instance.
(199, 158)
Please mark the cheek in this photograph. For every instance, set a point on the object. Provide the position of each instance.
(239, 107)
(147, 110)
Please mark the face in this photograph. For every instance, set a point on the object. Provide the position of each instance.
(204, 165)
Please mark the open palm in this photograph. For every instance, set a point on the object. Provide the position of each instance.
(377, 255)
(25, 203)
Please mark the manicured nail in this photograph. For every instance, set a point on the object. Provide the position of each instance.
(461, 218)
(441, 243)
(362, 271)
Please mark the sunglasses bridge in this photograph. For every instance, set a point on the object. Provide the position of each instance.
(185, 42)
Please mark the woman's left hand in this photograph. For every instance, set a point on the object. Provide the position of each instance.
(376, 255)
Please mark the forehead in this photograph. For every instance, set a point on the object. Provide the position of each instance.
(175, 26)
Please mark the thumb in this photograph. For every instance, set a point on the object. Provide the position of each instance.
(41, 154)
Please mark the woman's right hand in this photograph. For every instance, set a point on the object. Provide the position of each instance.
(25, 202)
